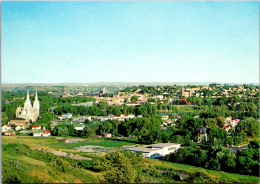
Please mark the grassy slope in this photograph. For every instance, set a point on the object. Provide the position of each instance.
(222, 176)
(55, 176)
(31, 170)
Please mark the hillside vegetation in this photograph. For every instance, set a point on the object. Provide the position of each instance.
(21, 164)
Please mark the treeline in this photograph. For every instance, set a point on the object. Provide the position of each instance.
(103, 109)
(218, 157)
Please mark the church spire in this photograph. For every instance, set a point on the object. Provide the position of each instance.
(36, 96)
(36, 103)
(27, 97)
(27, 103)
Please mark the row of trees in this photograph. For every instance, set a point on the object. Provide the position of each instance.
(221, 158)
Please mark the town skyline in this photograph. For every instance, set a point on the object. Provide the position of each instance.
(126, 42)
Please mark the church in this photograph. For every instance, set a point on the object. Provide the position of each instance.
(29, 112)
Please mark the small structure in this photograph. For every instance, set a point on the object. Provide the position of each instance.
(202, 134)
(165, 117)
(37, 133)
(227, 127)
(46, 133)
(79, 127)
(18, 122)
(160, 149)
(17, 128)
(64, 116)
(10, 132)
(36, 127)
(108, 135)
(6, 128)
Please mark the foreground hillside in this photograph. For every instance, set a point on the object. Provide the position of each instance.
(26, 165)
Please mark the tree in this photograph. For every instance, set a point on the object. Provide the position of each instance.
(221, 158)
(250, 126)
(104, 104)
(118, 168)
(134, 99)
(217, 133)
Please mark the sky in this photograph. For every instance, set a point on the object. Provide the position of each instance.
(112, 41)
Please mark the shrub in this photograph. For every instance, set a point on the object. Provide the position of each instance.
(61, 165)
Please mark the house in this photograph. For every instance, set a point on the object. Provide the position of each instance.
(10, 132)
(202, 134)
(228, 119)
(153, 150)
(18, 122)
(37, 133)
(64, 116)
(165, 117)
(130, 116)
(36, 127)
(46, 133)
(227, 127)
(79, 127)
(17, 128)
(183, 101)
(108, 135)
(6, 128)
(234, 123)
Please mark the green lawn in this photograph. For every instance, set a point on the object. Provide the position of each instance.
(103, 143)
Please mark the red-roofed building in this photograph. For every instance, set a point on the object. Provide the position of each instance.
(11, 132)
(36, 127)
(183, 101)
(227, 127)
(18, 122)
(46, 133)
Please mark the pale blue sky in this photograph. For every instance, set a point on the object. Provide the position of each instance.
(170, 41)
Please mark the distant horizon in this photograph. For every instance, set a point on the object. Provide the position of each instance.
(93, 41)
(131, 83)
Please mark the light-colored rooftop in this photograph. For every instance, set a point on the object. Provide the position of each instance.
(153, 147)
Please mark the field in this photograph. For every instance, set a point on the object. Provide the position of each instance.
(38, 166)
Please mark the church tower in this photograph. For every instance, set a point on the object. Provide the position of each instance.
(36, 103)
(27, 103)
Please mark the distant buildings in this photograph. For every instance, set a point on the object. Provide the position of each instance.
(188, 92)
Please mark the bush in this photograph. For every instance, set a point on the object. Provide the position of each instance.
(61, 165)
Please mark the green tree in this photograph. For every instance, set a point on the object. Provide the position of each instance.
(134, 99)
(118, 168)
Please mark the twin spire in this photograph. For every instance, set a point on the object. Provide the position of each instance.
(27, 103)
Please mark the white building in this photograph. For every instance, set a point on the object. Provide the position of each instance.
(17, 128)
(79, 127)
(160, 149)
(5, 128)
(64, 116)
(37, 133)
(29, 112)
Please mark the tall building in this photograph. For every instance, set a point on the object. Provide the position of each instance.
(29, 112)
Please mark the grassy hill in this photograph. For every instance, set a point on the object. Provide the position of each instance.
(22, 164)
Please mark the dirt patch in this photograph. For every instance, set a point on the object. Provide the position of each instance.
(63, 154)
(71, 140)
(89, 149)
